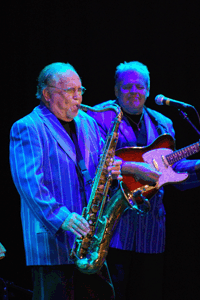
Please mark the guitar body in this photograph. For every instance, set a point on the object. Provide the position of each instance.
(154, 154)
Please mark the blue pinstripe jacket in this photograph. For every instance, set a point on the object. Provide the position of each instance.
(43, 167)
(145, 234)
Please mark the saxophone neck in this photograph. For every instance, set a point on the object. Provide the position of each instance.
(116, 108)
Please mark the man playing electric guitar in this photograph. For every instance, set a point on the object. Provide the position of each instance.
(135, 269)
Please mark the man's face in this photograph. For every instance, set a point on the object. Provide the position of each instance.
(64, 104)
(131, 92)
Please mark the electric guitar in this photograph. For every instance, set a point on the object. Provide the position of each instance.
(161, 155)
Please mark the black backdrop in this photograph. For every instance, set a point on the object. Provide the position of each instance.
(95, 37)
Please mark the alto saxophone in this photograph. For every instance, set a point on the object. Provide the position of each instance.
(102, 214)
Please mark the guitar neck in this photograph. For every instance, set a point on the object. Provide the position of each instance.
(183, 153)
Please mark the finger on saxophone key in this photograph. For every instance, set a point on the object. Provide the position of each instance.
(115, 169)
(83, 225)
(76, 224)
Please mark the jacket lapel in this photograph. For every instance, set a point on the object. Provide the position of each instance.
(83, 137)
(157, 122)
(127, 131)
(151, 128)
(57, 130)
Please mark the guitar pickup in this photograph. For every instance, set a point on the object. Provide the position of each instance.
(155, 164)
(165, 161)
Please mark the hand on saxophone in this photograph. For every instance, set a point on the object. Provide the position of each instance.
(115, 169)
(76, 224)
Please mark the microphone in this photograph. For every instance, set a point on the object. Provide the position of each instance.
(162, 100)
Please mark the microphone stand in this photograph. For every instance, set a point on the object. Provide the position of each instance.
(9, 284)
(5, 290)
(184, 115)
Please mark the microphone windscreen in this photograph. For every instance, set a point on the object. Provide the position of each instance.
(159, 99)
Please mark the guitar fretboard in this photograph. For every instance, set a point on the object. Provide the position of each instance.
(182, 153)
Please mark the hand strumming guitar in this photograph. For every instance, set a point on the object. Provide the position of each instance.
(141, 170)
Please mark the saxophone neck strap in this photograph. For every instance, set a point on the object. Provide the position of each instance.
(81, 163)
(84, 171)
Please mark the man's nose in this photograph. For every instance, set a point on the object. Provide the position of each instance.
(76, 94)
(133, 89)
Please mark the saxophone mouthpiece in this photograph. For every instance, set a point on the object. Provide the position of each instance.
(83, 107)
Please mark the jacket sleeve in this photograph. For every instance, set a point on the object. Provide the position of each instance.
(192, 167)
(104, 121)
(26, 162)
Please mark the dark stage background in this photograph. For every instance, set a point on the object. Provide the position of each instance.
(95, 37)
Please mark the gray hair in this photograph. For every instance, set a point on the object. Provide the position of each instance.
(133, 66)
(49, 73)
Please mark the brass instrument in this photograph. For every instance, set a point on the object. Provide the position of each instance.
(89, 252)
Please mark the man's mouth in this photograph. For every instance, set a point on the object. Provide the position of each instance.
(75, 107)
(133, 98)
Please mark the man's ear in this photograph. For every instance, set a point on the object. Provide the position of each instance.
(147, 93)
(46, 94)
(116, 91)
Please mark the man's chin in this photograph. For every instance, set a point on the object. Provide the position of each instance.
(134, 110)
(72, 115)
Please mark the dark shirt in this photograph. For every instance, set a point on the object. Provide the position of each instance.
(139, 128)
(69, 127)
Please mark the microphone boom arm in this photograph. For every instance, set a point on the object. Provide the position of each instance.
(185, 117)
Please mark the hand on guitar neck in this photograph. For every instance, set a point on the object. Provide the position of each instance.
(141, 171)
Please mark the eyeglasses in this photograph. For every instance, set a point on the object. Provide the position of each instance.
(130, 86)
(71, 90)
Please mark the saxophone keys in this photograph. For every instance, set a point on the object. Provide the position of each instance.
(95, 208)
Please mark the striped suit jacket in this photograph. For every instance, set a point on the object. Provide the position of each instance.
(145, 234)
(43, 166)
